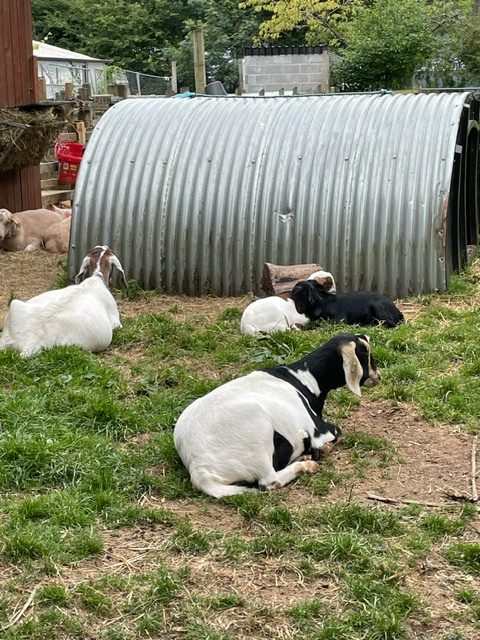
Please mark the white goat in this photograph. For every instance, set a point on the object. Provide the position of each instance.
(279, 313)
(83, 314)
(26, 230)
(259, 428)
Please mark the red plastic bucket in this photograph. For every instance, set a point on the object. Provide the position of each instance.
(69, 155)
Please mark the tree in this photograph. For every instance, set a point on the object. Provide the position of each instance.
(146, 35)
(227, 31)
(467, 51)
(131, 34)
(385, 44)
(311, 21)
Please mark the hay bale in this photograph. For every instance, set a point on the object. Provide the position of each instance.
(26, 135)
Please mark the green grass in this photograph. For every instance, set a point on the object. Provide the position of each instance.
(100, 525)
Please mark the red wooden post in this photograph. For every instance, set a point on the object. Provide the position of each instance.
(20, 188)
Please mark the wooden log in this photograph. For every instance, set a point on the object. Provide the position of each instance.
(278, 279)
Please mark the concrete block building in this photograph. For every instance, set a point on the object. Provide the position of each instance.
(274, 68)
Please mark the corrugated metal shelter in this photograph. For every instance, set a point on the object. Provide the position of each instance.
(195, 195)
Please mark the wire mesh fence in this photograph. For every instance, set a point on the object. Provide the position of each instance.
(143, 84)
(99, 77)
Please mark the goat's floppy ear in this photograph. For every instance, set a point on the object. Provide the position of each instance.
(314, 289)
(83, 273)
(115, 262)
(300, 297)
(352, 368)
(315, 300)
(13, 223)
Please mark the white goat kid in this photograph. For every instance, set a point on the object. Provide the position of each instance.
(82, 314)
(279, 313)
(259, 428)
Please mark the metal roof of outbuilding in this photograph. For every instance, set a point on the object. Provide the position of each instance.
(44, 51)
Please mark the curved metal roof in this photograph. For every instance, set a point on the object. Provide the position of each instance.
(195, 195)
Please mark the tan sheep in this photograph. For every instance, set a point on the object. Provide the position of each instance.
(28, 230)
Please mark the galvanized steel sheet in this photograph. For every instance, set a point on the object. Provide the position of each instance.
(195, 195)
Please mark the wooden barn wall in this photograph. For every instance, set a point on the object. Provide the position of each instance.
(19, 189)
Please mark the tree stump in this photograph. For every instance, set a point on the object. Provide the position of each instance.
(279, 279)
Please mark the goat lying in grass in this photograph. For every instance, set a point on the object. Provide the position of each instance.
(357, 307)
(83, 314)
(255, 429)
(279, 313)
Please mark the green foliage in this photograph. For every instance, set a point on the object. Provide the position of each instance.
(465, 555)
(149, 34)
(386, 43)
(354, 517)
(437, 525)
(92, 599)
(140, 28)
(187, 539)
(53, 594)
(304, 21)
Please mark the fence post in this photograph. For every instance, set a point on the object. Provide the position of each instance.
(139, 91)
(173, 81)
(199, 60)
(241, 83)
(68, 90)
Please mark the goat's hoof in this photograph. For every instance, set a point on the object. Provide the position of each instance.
(303, 458)
(309, 466)
(273, 486)
(326, 450)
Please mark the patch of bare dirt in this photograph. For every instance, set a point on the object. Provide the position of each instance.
(25, 275)
(433, 459)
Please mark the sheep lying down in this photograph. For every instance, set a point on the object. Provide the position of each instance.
(258, 429)
(82, 314)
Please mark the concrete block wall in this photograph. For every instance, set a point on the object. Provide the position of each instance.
(276, 68)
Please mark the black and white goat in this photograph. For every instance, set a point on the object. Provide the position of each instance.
(256, 429)
(83, 314)
(357, 307)
(279, 313)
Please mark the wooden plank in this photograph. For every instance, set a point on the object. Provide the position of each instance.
(31, 195)
(48, 167)
(20, 79)
(31, 71)
(3, 69)
(51, 183)
(8, 96)
(20, 188)
(278, 279)
(55, 196)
